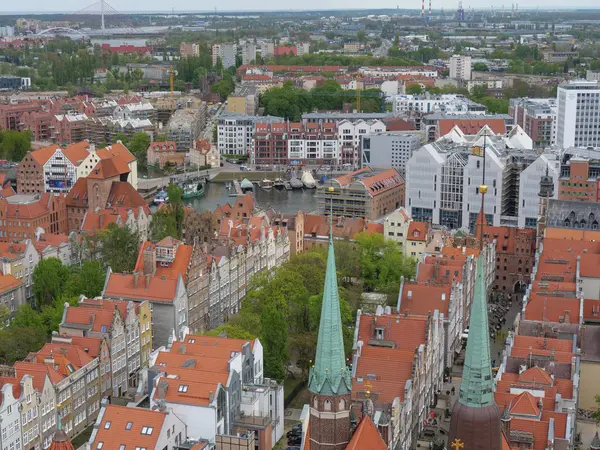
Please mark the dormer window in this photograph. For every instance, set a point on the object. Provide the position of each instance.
(379, 331)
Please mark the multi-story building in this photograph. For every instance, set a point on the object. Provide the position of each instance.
(189, 49)
(577, 179)
(40, 125)
(460, 67)
(162, 153)
(225, 52)
(121, 426)
(236, 132)
(69, 128)
(576, 114)
(243, 101)
(167, 297)
(267, 48)
(171, 258)
(140, 111)
(537, 116)
(203, 153)
(10, 427)
(428, 103)
(302, 48)
(22, 216)
(19, 260)
(554, 57)
(116, 150)
(414, 347)
(443, 178)
(529, 187)
(350, 135)
(105, 129)
(120, 323)
(11, 115)
(389, 149)
(185, 126)
(366, 193)
(248, 53)
(437, 125)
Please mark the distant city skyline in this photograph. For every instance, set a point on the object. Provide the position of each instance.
(183, 6)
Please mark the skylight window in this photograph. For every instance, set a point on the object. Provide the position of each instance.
(103, 329)
(122, 447)
(99, 445)
(183, 388)
(147, 430)
(129, 425)
(107, 425)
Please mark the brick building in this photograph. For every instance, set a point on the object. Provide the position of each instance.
(578, 179)
(22, 215)
(161, 153)
(11, 115)
(366, 193)
(106, 187)
(39, 123)
(537, 117)
(515, 256)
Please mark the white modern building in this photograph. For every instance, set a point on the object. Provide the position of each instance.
(529, 187)
(578, 114)
(350, 135)
(390, 148)
(443, 178)
(226, 52)
(428, 103)
(236, 131)
(460, 67)
(302, 48)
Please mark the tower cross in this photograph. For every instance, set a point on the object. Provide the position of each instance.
(457, 444)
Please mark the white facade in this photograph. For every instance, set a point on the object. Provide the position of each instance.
(448, 103)
(460, 67)
(443, 178)
(10, 425)
(226, 52)
(302, 48)
(267, 49)
(235, 132)
(60, 173)
(529, 187)
(394, 71)
(578, 114)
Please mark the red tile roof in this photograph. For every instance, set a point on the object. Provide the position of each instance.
(421, 299)
(552, 309)
(417, 231)
(121, 286)
(179, 266)
(114, 432)
(472, 126)
(366, 436)
(525, 405)
(535, 375)
(109, 168)
(8, 283)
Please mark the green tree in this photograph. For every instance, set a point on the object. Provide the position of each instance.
(4, 315)
(15, 144)
(119, 248)
(87, 279)
(478, 91)
(163, 224)
(414, 89)
(49, 279)
(232, 332)
(138, 145)
(17, 342)
(274, 336)
(480, 67)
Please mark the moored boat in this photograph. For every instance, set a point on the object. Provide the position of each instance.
(308, 181)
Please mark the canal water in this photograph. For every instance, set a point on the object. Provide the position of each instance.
(287, 202)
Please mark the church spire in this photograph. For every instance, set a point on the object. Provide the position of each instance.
(330, 375)
(476, 384)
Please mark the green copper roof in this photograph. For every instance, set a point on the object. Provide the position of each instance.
(476, 384)
(330, 374)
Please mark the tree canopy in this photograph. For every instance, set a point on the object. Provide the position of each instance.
(119, 248)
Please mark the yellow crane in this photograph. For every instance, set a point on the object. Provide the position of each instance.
(358, 92)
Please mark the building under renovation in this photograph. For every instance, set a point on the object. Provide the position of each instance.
(185, 126)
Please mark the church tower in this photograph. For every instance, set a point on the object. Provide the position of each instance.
(330, 380)
(475, 421)
(546, 193)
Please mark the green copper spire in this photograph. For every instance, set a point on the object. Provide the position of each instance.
(330, 375)
(476, 384)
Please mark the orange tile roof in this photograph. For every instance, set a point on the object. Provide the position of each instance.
(77, 152)
(12, 250)
(121, 286)
(108, 168)
(116, 433)
(560, 422)
(538, 429)
(216, 341)
(525, 404)
(373, 227)
(65, 355)
(122, 194)
(417, 231)
(179, 266)
(164, 146)
(100, 320)
(42, 155)
(16, 386)
(458, 252)
(89, 345)
(366, 436)
(558, 345)
(446, 273)
(535, 375)
(571, 236)
(173, 361)
(198, 391)
(8, 283)
(77, 196)
(420, 299)
(551, 309)
(38, 371)
(118, 150)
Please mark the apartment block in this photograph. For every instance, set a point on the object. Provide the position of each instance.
(577, 114)
(460, 67)
(185, 126)
(537, 117)
(225, 52)
(443, 178)
(399, 343)
(428, 103)
(189, 49)
(236, 132)
(389, 149)
(350, 135)
(366, 193)
(217, 384)
(248, 53)
(436, 125)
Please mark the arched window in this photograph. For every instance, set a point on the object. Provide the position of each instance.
(315, 402)
(327, 405)
(341, 405)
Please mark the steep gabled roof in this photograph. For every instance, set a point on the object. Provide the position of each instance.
(366, 437)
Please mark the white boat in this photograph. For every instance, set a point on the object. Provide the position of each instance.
(307, 180)
(160, 197)
(265, 183)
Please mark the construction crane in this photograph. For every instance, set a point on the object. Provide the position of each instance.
(358, 92)
(172, 73)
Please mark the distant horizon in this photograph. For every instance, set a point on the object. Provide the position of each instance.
(594, 7)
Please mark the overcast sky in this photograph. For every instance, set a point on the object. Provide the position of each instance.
(8, 6)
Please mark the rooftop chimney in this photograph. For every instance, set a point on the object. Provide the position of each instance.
(211, 396)
(136, 276)
(149, 261)
(162, 388)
